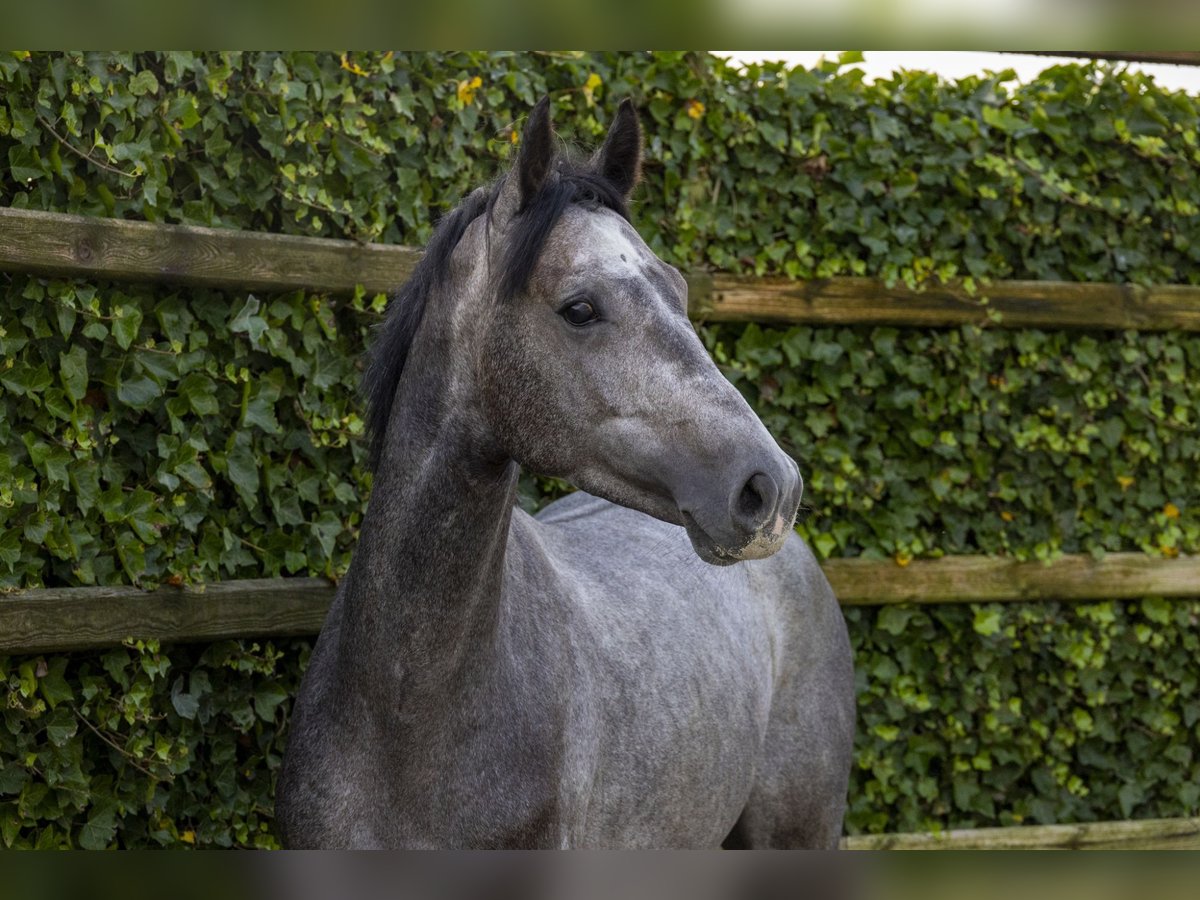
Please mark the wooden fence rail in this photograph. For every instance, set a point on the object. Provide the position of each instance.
(1016, 304)
(56, 620)
(983, 579)
(57, 244)
(44, 243)
(61, 619)
(1144, 834)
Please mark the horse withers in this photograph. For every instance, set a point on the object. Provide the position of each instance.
(654, 661)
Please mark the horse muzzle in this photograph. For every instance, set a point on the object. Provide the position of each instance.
(753, 521)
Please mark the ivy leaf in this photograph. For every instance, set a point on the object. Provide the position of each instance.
(1129, 795)
(73, 372)
(144, 82)
(267, 697)
(11, 550)
(824, 544)
(53, 685)
(61, 726)
(194, 474)
(101, 826)
(258, 408)
(12, 779)
(246, 322)
(126, 322)
(1003, 119)
(200, 392)
(138, 392)
(894, 619)
(97, 331)
(186, 704)
(23, 378)
(242, 467)
(1111, 432)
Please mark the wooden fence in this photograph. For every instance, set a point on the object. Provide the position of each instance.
(53, 619)
(1143, 834)
(63, 619)
(65, 245)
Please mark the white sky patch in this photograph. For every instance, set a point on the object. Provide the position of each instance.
(954, 64)
(909, 17)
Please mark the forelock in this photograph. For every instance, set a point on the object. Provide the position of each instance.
(531, 226)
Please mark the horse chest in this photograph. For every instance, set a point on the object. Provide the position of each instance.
(542, 762)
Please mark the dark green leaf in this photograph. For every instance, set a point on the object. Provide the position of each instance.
(125, 324)
(73, 372)
(138, 391)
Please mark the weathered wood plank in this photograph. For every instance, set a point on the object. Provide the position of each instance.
(57, 244)
(980, 579)
(1019, 304)
(57, 619)
(1146, 834)
(40, 621)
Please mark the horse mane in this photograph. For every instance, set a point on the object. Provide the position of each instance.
(573, 183)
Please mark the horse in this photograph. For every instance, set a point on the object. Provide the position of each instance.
(653, 661)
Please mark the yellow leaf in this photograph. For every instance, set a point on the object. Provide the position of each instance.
(351, 66)
(1006, 515)
(695, 109)
(589, 87)
(1170, 552)
(467, 89)
(902, 559)
(1124, 481)
(1171, 511)
(188, 837)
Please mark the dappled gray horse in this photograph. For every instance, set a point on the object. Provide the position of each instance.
(584, 678)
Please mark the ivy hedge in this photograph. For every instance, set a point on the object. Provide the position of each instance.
(158, 435)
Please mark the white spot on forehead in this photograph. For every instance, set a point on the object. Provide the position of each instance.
(610, 245)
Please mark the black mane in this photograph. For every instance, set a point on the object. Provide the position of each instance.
(530, 227)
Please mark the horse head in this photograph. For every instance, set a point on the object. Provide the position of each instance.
(575, 341)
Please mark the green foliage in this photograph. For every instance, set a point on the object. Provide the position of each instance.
(180, 437)
(1086, 173)
(145, 747)
(1025, 713)
(153, 435)
(1023, 443)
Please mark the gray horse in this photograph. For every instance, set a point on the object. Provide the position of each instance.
(584, 678)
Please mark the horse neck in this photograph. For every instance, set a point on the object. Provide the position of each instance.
(423, 592)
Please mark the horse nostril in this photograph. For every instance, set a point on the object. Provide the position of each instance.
(755, 503)
(750, 501)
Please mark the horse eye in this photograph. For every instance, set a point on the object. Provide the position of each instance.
(579, 313)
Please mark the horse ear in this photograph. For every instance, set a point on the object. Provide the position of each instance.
(537, 151)
(620, 159)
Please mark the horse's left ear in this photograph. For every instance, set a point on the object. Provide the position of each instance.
(537, 151)
(620, 159)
